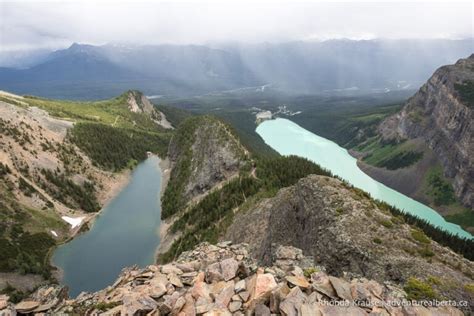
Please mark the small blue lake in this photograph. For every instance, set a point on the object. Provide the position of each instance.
(124, 234)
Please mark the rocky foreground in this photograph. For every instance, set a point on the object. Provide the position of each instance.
(225, 280)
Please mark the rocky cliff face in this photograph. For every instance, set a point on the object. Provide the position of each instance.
(225, 280)
(347, 232)
(203, 153)
(440, 115)
(138, 103)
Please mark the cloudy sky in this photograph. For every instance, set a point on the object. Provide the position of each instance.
(55, 24)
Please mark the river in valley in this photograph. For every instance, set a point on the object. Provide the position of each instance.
(124, 234)
(288, 138)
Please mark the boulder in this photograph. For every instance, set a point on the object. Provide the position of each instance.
(235, 306)
(156, 290)
(178, 305)
(298, 281)
(260, 287)
(342, 287)
(135, 303)
(213, 273)
(291, 305)
(262, 310)
(239, 286)
(310, 309)
(175, 280)
(288, 252)
(322, 284)
(188, 309)
(201, 290)
(169, 268)
(229, 268)
(225, 296)
(26, 306)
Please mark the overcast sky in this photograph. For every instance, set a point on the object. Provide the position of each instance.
(54, 24)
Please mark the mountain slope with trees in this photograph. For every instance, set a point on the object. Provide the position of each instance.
(64, 158)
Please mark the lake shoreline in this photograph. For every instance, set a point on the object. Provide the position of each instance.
(131, 217)
(164, 224)
(165, 166)
(116, 185)
(288, 138)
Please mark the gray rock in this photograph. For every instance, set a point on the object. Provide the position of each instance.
(343, 288)
(235, 306)
(293, 301)
(26, 306)
(239, 286)
(225, 296)
(288, 252)
(298, 281)
(244, 296)
(214, 273)
(167, 269)
(229, 268)
(322, 284)
(262, 310)
(175, 280)
(178, 305)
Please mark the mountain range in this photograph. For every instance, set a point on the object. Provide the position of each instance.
(62, 160)
(90, 72)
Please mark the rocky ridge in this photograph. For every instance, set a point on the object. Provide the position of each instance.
(224, 279)
(216, 155)
(347, 232)
(138, 103)
(438, 115)
(204, 154)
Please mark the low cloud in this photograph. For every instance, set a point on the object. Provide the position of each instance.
(26, 24)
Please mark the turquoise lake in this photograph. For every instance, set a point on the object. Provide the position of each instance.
(124, 234)
(288, 138)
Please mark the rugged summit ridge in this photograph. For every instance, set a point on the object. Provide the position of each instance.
(203, 152)
(139, 103)
(441, 113)
(347, 232)
(225, 280)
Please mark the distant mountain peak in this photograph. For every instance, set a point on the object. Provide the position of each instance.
(78, 48)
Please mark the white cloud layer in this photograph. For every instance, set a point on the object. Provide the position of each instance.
(55, 24)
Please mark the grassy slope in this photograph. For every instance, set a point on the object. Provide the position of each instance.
(112, 112)
(344, 124)
(24, 234)
(439, 189)
(435, 189)
(390, 156)
(107, 131)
